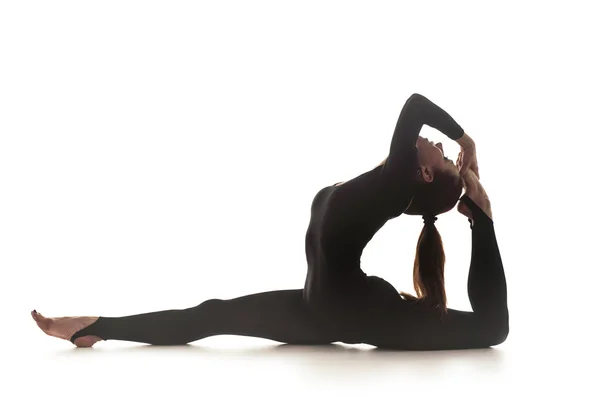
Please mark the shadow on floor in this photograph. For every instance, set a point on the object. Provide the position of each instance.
(335, 359)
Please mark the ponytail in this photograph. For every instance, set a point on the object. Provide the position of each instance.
(430, 199)
(428, 271)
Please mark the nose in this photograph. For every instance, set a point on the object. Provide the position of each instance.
(439, 145)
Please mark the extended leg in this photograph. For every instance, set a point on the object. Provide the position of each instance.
(276, 315)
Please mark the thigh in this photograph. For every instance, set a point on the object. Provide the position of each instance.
(347, 304)
(412, 327)
(280, 315)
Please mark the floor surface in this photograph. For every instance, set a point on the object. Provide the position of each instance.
(244, 367)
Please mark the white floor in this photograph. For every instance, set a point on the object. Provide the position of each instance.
(243, 367)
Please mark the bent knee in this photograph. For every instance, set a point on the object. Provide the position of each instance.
(497, 332)
(499, 336)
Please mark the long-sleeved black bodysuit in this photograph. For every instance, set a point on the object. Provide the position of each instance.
(339, 302)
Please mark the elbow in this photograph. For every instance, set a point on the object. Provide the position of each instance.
(415, 97)
(416, 102)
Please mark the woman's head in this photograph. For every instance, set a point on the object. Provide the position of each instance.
(438, 187)
(438, 184)
(432, 155)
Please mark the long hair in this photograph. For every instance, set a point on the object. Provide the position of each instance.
(429, 200)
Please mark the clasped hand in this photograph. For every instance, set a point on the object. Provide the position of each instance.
(467, 158)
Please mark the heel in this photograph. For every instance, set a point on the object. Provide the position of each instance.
(470, 203)
(478, 213)
(94, 331)
(86, 341)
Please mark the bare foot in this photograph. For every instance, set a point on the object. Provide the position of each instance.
(475, 191)
(65, 327)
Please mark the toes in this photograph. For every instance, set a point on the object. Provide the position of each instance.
(37, 316)
(42, 322)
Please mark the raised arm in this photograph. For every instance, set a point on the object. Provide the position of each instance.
(417, 111)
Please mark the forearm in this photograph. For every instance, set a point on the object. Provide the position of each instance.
(466, 141)
(418, 111)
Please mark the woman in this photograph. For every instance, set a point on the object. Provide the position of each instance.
(339, 302)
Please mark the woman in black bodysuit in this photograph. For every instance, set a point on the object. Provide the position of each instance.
(339, 302)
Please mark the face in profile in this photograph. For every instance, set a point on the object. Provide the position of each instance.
(433, 160)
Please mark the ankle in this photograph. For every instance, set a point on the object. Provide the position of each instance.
(482, 201)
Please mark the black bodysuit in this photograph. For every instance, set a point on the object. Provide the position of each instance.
(339, 302)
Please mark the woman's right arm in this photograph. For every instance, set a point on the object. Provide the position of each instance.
(416, 112)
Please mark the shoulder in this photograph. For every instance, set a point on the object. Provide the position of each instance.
(403, 166)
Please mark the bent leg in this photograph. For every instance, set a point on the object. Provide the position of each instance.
(410, 326)
(280, 316)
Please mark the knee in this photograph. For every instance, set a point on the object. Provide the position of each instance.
(208, 306)
(212, 302)
(497, 331)
(499, 335)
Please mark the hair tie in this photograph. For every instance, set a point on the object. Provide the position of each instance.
(429, 219)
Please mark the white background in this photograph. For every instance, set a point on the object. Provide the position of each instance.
(157, 154)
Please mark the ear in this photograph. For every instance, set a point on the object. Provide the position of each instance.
(426, 173)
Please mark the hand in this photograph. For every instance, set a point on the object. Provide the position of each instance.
(467, 158)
